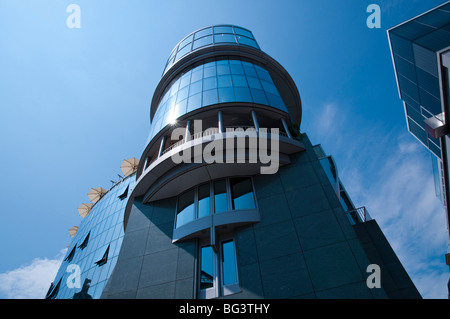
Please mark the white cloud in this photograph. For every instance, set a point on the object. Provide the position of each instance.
(30, 281)
(401, 197)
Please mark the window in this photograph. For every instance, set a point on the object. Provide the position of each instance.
(206, 268)
(242, 193)
(104, 259)
(85, 242)
(124, 194)
(218, 271)
(218, 196)
(203, 200)
(185, 210)
(71, 254)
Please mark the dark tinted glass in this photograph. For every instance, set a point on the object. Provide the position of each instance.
(185, 211)
(206, 268)
(220, 196)
(242, 193)
(203, 200)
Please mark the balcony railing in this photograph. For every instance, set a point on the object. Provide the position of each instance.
(358, 215)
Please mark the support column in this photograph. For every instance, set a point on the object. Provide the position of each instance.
(161, 146)
(187, 134)
(255, 121)
(286, 128)
(220, 122)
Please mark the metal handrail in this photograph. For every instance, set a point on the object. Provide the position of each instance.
(213, 131)
(359, 215)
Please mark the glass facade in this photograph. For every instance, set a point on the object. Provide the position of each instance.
(195, 203)
(414, 45)
(220, 80)
(93, 251)
(214, 35)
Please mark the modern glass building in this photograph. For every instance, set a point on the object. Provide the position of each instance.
(92, 254)
(229, 199)
(420, 49)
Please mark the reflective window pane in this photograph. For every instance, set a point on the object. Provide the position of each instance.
(247, 41)
(195, 101)
(223, 29)
(209, 71)
(202, 42)
(224, 37)
(243, 94)
(203, 33)
(243, 32)
(224, 81)
(209, 83)
(210, 97)
(242, 193)
(206, 268)
(183, 51)
(185, 209)
(185, 41)
(220, 196)
(226, 95)
(195, 88)
(228, 263)
(203, 200)
(259, 96)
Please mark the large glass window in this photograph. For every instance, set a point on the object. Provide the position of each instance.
(185, 210)
(215, 197)
(229, 273)
(220, 80)
(206, 268)
(218, 270)
(203, 200)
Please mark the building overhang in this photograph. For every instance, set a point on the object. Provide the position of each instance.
(165, 178)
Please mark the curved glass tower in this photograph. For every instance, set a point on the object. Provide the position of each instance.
(92, 253)
(231, 200)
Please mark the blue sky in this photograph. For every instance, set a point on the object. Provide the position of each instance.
(75, 103)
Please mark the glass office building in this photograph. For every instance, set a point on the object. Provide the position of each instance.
(420, 49)
(94, 247)
(230, 199)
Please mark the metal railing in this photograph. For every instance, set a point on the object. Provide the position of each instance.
(213, 131)
(358, 215)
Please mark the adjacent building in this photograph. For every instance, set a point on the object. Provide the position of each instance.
(229, 198)
(420, 49)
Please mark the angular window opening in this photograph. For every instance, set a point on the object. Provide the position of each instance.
(85, 242)
(53, 290)
(104, 259)
(124, 194)
(71, 254)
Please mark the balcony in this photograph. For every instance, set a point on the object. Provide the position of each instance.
(245, 152)
(358, 215)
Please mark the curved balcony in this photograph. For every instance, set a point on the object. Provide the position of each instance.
(196, 159)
